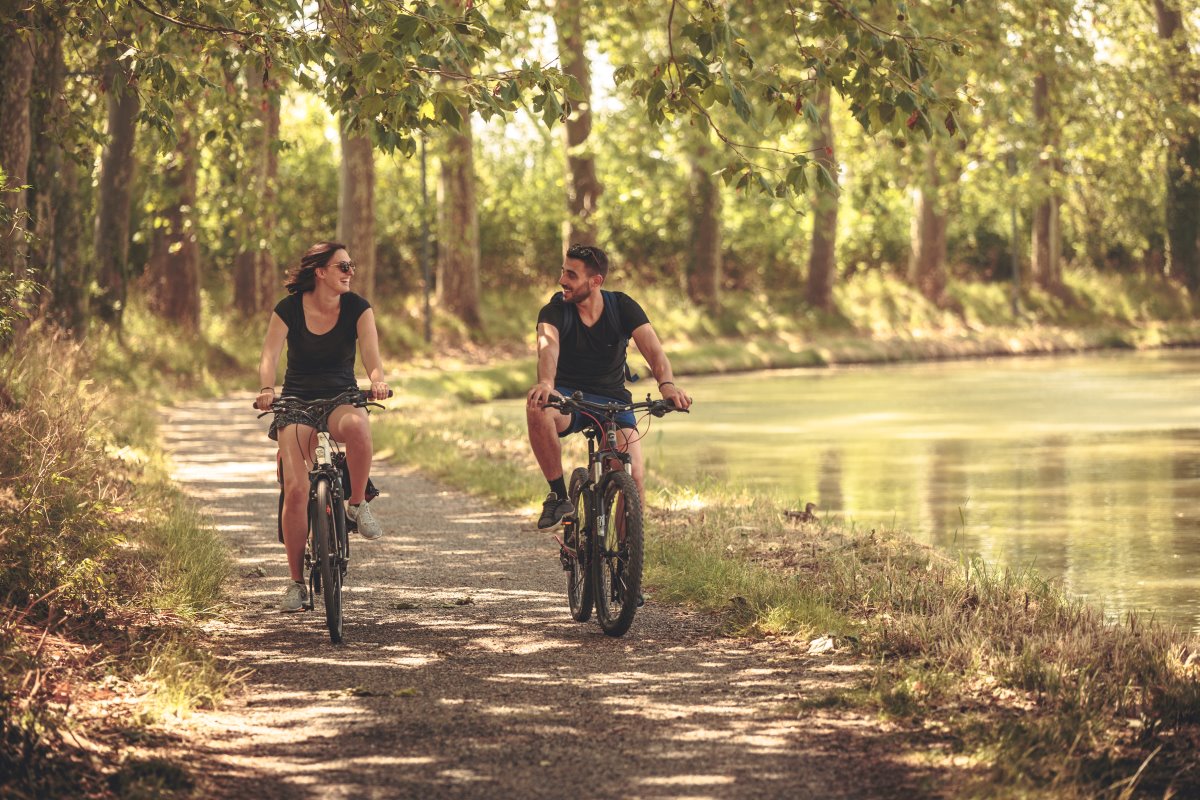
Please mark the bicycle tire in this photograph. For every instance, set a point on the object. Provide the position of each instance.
(575, 535)
(325, 539)
(617, 566)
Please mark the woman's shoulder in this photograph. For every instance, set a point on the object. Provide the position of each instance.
(355, 304)
(286, 307)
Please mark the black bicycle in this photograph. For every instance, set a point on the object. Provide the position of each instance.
(327, 549)
(602, 545)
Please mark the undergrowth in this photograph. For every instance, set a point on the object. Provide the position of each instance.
(105, 568)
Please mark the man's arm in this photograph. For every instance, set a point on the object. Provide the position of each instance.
(547, 365)
(652, 350)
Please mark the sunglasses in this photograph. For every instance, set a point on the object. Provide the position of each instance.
(345, 266)
(585, 253)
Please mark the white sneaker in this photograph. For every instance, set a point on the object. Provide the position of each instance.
(362, 517)
(295, 598)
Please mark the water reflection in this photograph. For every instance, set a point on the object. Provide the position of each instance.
(1086, 467)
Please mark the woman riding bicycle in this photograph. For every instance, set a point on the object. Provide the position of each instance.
(321, 320)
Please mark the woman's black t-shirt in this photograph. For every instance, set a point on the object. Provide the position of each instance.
(322, 366)
(592, 359)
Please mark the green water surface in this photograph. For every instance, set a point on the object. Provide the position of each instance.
(1085, 467)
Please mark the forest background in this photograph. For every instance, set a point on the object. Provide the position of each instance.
(819, 163)
(831, 180)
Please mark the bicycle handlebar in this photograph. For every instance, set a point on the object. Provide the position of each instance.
(656, 408)
(360, 400)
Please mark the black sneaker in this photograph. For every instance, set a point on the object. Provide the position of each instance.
(553, 510)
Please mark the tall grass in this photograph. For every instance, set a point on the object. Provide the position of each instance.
(95, 546)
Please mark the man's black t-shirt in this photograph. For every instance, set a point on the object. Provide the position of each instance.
(322, 366)
(592, 359)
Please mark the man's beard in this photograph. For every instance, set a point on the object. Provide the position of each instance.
(579, 295)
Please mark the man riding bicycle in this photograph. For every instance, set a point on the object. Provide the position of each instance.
(582, 334)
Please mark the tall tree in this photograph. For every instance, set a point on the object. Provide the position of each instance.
(927, 258)
(704, 250)
(115, 191)
(16, 79)
(583, 187)
(822, 262)
(1183, 148)
(356, 207)
(1046, 251)
(254, 265)
(458, 228)
(173, 273)
(47, 107)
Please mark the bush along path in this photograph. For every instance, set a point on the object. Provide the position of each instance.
(462, 674)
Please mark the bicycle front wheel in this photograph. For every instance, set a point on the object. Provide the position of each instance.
(325, 541)
(575, 537)
(617, 553)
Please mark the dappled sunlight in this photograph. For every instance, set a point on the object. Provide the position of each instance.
(462, 672)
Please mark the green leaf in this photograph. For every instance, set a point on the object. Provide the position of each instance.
(368, 62)
(405, 26)
(448, 112)
(811, 113)
(824, 179)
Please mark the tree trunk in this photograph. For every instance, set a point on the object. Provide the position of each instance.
(1047, 234)
(16, 79)
(356, 208)
(704, 262)
(822, 263)
(47, 108)
(114, 194)
(583, 187)
(458, 230)
(173, 274)
(1183, 155)
(927, 260)
(254, 266)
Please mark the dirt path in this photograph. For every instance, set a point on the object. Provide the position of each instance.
(463, 675)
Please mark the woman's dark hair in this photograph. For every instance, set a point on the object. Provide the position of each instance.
(303, 277)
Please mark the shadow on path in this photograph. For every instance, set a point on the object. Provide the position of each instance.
(463, 674)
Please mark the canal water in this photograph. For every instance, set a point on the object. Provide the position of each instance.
(1085, 467)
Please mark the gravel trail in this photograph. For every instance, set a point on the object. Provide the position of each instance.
(463, 676)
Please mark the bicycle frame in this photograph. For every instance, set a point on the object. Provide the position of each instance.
(327, 545)
(603, 557)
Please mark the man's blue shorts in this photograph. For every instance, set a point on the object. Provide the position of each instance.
(578, 421)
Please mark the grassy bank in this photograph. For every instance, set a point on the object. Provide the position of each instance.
(878, 319)
(1038, 693)
(106, 574)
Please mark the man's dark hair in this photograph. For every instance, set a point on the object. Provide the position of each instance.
(592, 257)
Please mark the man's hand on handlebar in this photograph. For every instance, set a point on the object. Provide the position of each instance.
(681, 399)
(539, 394)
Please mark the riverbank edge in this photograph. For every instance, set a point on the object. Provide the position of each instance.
(935, 634)
(511, 377)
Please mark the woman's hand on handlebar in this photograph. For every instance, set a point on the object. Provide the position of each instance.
(265, 397)
(539, 394)
(379, 391)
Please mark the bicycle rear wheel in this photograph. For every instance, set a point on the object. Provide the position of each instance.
(575, 537)
(617, 564)
(325, 541)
